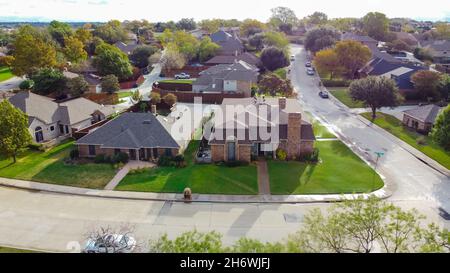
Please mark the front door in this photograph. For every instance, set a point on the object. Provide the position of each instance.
(133, 154)
(38, 134)
(231, 151)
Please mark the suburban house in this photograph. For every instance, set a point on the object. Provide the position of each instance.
(421, 118)
(230, 44)
(140, 135)
(398, 71)
(247, 57)
(439, 50)
(371, 43)
(236, 78)
(49, 120)
(239, 134)
(126, 48)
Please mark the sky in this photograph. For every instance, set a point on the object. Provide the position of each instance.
(164, 10)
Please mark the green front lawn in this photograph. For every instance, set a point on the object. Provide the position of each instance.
(5, 74)
(48, 167)
(205, 179)
(342, 95)
(320, 131)
(124, 94)
(395, 127)
(340, 171)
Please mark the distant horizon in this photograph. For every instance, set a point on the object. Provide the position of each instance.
(44, 11)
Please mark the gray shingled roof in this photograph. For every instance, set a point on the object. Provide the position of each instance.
(131, 131)
(427, 113)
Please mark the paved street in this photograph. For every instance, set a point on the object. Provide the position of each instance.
(413, 180)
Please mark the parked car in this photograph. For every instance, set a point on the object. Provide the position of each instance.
(324, 95)
(308, 64)
(114, 243)
(292, 58)
(182, 76)
(310, 71)
(444, 214)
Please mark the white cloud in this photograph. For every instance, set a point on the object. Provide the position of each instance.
(157, 10)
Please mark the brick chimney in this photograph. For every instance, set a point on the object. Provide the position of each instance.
(282, 103)
(294, 135)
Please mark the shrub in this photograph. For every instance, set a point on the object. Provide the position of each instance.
(26, 85)
(74, 154)
(315, 155)
(234, 164)
(36, 147)
(121, 157)
(281, 154)
(421, 141)
(101, 158)
(179, 160)
(165, 161)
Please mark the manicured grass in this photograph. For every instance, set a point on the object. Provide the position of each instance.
(124, 94)
(188, 81)
(321, 131)
(342, 95)
(340, 171)
(5, 74)
(281, 72)
(15, 250)
(205, 179)
(395, 127)
(48, 167)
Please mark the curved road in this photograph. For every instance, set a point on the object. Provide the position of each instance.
(54, 222)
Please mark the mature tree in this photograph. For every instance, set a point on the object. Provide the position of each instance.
(436, 240)
(111, 32)
(6, 61)
(274, 85)
(60, 31)
(318, 18)
(32, 51)
(375, 92)
(250, 27)
(207, 49)
(246, 245)
(189, 242)
(273, 58)
(26, 85)
(49, 80)
(210, 25)
(286, 28)
(74, 50)
(441, 129)
(140, 55)
(443, 31)
(423, 54)
(155, 58)
(172, 58)
(444, 87)
(77, 86)
(84, 35)
(376, 25)
(6, 38)
(399, 45)
(257, 41)
(427, 83)
(186, 43)
(155, 98)
(327, 62)
(343, 24)
(186, 24)
(170, 99)
(110, 60)
(276, 39)
(320, 38)
(110, 84)
(162, 26)
(352, 56)
(14, 134)
(283, 15)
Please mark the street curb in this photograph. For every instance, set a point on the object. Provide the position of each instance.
(382, 193)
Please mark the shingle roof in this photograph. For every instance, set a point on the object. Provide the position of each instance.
(427, 113)
(79, 109)
(133, 131)
(227, 59)
(220, 36)
(356, 37)
(238, 71)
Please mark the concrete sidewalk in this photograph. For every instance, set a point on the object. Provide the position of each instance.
(132, 165)
(205, 198)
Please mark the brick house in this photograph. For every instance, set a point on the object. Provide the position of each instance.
(421, 118)
(259, 127)
(140, 135)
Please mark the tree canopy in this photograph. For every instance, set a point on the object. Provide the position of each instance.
(376, 25)
(140, 55)
(74, 50)
(352, 56)
(49, 80)
(110, 60)
(273, 58)
(110, 84)
(427, 84)
(320, 38)
(441, 129)
(111, 32)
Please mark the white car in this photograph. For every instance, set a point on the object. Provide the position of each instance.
(114, 243)
(310, 71)
(182, 76)
(292, 58)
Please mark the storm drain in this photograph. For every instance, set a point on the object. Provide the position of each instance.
(293, 217)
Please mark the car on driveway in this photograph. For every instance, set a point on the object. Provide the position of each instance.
(182, 76)
(112, 243)
(324, 95)
(310, 71)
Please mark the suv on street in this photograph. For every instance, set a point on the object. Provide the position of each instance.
(182, 76)
(310, 71)
(324, 95)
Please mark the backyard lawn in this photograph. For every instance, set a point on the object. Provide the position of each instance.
(330, 176)
(395, 127)
(206, 179)
(5, 74)
(342, 95)
(48, 167)
(125, 94)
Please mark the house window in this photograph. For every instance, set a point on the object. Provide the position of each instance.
(61, 129)
(116, 151)
(91, 150)
(168, 152)
(52, 128)
(67, 129)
